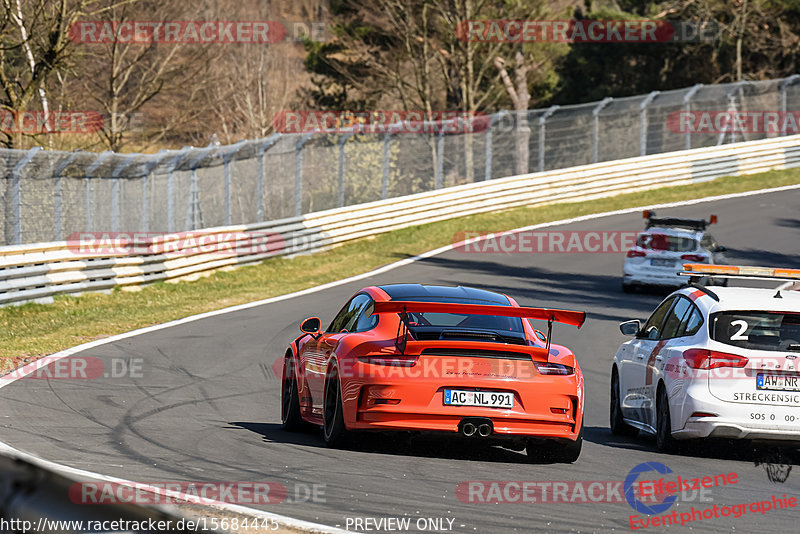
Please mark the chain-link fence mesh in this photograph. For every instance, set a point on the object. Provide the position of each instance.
(48, 195)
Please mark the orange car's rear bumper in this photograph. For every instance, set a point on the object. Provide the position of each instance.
(544, 406)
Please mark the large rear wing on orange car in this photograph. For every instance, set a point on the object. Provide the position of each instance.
(574, 318)
(403, 307)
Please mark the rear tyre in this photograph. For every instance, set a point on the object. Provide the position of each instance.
(290, 400)
(664, 440)
(627, 288)
(618, 425)
(334, 430)
(557, 451)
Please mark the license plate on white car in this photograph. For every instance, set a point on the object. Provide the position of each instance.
(778, 382)
(488, 399)
(657, 262)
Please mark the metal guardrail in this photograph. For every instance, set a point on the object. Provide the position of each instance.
(36, 496)
(43, 270)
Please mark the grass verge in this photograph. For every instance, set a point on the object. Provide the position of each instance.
(32, 330)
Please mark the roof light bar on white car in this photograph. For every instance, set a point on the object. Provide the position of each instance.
(739, 271)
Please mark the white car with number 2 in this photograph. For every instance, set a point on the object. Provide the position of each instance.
(722, 363)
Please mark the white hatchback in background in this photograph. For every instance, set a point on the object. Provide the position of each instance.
(722, 363)
(664, 246)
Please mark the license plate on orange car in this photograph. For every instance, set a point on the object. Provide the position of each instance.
(488, 399)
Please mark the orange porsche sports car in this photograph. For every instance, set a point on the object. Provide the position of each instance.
(410, 357)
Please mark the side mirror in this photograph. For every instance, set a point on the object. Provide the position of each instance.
(311, 326)
(720, 248)
(630, 328)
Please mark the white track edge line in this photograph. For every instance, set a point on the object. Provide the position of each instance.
(289, 521)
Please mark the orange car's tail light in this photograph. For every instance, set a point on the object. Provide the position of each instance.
(712, 359)
(396, 360)
(550, 368)
(559, 410)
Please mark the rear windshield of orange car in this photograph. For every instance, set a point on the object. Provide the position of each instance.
(465, 320)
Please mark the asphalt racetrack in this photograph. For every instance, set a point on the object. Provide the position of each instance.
(205, 405)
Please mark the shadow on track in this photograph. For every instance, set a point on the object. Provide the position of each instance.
(713, 449)
(397, 444)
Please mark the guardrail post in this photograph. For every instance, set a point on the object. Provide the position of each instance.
(643, 122)
(596, 118)
(387, 140)
(14, 230)
(794, 78)
(542, 121)
(58, 216)
(687, 108)
(298, 175)
(87, 181)
(266, 145)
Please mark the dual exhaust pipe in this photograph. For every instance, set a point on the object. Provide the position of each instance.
(483, 428)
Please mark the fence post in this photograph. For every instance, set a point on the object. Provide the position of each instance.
(58, 215)
(342, 140)
(794, 78)
(596, 118)
(115, 191)
(643, 123)
(487, 173)
(542, 121)
(87, 181)
(147, 176)
(687, 108)
(171, 166)
(194, 212)
(387, 140)
(266, 145)
(226, 162)
(298, 176)
(16, 196)
(440, 158)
